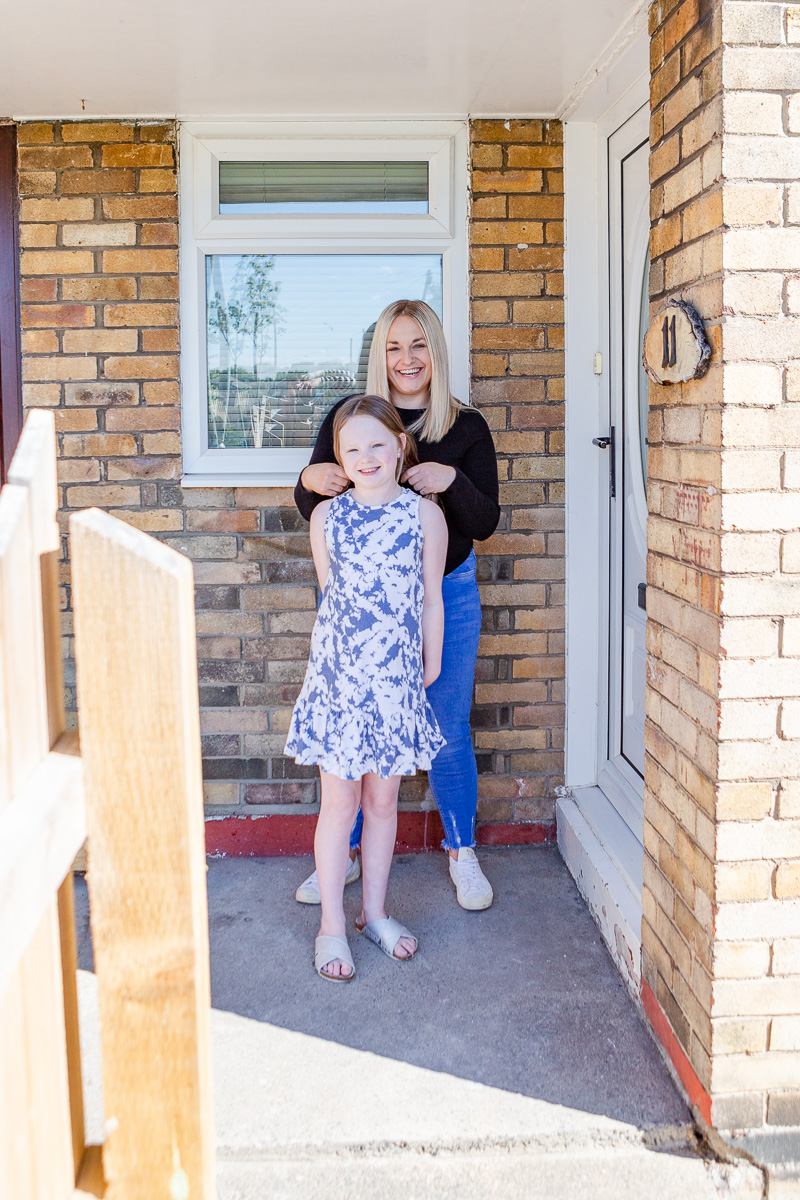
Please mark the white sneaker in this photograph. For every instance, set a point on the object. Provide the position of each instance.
(473, 890)
(308, 892)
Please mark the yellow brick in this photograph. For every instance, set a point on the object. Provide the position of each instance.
(682, 103)
(142, 366)
(41, 158)
(137, 208)
(101, 341)
(62, 209)
(506, 232)
(79, 470)
(162, 443)
(34, 132)
(535, 156)
(41, 395)
(97, 131)
(101, 233)
(491, 312)
(702, 216)
(103, 496)
(487, 156)
(59, 367)
(160, 340)
(787, 880)
(37, 235)
(157, 520)
(140, 314)
(56, 262)
(40, 341)
(157, 181)
(152, 155)
(137, 262)
(743, 881)
(37, 183)
(538, 312)
(75, 420)
(99, 445)
(507, 181)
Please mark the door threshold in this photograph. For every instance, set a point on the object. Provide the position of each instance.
(604, 884)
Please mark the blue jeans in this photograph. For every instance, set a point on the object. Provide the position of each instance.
(453, 775)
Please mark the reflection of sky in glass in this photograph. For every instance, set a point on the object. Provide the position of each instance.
(327, 302)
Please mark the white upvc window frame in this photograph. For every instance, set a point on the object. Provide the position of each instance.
(204, 231)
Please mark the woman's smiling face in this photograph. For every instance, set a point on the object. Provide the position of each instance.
(408, 363)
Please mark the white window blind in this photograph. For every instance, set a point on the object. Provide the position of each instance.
(323, 187)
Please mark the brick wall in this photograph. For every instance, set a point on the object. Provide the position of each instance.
(721, 940)
(99, 289)
(100, 322)
(517, 284)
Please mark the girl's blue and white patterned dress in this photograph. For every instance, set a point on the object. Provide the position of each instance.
(362, 707)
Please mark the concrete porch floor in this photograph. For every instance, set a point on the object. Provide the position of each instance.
(506, 1060)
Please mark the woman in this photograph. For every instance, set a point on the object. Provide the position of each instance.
(408, 365)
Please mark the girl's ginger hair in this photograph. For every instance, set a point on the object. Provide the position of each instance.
(381, 410)
(440, 415)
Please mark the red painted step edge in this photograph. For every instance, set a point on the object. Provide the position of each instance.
(285, 834)
(698, 1096)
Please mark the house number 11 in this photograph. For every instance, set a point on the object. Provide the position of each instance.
(676, 348)
(670, 354)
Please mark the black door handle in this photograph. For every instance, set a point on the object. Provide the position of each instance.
(605, 443)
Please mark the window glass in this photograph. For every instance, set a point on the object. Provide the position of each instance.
(289, 334)
(323, 187)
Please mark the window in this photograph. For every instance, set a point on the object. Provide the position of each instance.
(292, 242)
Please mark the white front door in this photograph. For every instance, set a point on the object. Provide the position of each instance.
(621, 774)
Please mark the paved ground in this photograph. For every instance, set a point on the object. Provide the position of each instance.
(506, 1060)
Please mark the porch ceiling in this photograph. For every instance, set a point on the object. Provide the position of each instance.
(304, 57)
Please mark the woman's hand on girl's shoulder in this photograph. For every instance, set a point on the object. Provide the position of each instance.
(429, 478)
(325, 479)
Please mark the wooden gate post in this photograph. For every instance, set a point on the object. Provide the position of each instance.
(140, 743)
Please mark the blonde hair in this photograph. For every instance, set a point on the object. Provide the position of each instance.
(384, 411)
(440, 415)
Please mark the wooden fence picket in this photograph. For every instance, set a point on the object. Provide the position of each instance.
(36, 1130)
(139, 767)
(135, 642)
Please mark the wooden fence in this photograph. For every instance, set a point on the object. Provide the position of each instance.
(135, 789)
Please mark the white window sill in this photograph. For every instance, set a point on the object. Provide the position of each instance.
(273, 480)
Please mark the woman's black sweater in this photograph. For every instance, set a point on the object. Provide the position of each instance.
(470, 504)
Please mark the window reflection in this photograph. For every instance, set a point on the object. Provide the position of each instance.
(288, 335)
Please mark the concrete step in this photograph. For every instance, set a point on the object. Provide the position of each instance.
(599, 1175)
(303, 1118)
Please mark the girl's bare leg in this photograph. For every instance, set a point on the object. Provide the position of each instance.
(379, 805)
(331, 842)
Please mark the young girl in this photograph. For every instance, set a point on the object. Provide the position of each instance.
(362, 715)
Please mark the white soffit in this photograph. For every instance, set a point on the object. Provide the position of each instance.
(305, 57)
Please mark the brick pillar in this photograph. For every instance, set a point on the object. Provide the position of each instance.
(517, 280)
(721, 928)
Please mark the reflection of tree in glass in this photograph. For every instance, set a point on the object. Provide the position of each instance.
(245, 314)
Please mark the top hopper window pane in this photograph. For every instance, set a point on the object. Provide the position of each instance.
(323, 187)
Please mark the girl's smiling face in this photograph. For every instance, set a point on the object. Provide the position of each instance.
(408, 363)
(370, 454)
